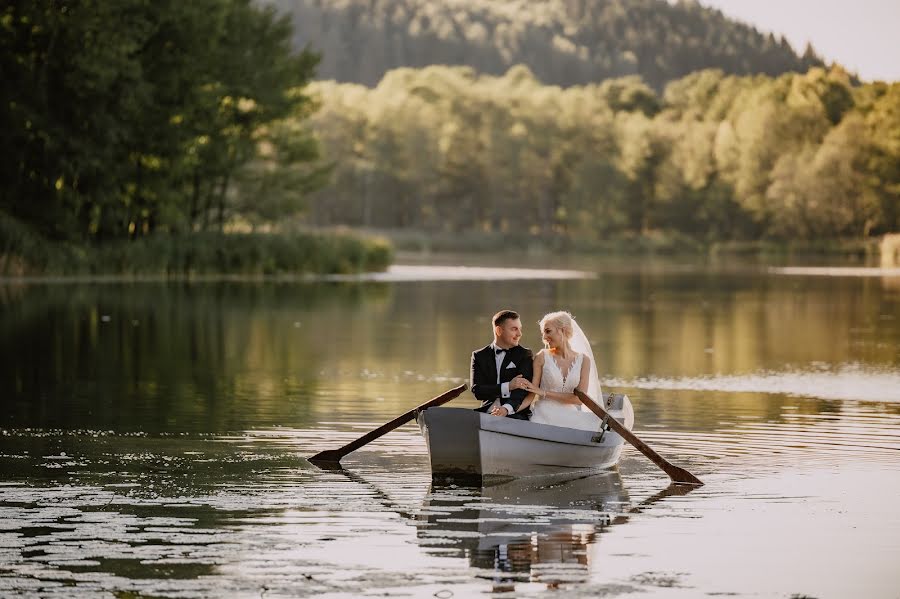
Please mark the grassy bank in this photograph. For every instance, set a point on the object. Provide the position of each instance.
(862, 250)
(23, 253)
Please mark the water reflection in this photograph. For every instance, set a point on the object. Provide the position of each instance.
(161, 357)
(534, 530)
(191, 515)
(153, 436)
(226, 356)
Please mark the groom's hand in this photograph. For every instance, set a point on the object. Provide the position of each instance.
(520, 382)
(499, 411)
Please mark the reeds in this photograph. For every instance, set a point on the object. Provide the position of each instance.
(25, 253)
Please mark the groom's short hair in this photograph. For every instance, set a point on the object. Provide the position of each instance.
(504, 315)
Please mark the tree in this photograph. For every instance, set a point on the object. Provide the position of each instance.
(880, 105)
(563, 42)
(722, 158)
(131, 117)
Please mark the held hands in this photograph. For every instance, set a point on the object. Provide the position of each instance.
(533, 389)
(520, 382)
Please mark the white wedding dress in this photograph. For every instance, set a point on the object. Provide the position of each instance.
(550, 411)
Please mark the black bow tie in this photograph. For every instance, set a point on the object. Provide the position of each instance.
(500, 350)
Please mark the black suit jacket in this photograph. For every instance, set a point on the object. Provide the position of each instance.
(483, 376)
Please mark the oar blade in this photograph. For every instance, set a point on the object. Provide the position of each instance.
(331, 458)
(680, 476)
(326, 458)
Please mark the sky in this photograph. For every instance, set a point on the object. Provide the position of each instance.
(862, 35)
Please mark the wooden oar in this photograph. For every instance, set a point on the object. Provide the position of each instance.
(678, 475)
(333, 456)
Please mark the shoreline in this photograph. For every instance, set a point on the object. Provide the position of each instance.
(344, 254)
(430, 242)
(408, 271)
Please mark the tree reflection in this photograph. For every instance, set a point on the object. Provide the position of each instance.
(217, 357)
(204, 357)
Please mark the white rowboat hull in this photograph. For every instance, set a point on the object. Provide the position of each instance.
(469, 443)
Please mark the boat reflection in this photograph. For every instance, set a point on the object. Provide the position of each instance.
(527, 530)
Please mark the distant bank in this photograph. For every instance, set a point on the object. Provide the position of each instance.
(876, 250)
(183, 256)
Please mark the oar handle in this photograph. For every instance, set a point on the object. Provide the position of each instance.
(333, 456)
(678, 475)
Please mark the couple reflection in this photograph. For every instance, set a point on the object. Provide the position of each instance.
(527, 530)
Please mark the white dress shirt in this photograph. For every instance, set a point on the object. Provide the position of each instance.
(504, 387)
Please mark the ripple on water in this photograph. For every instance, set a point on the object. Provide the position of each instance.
(845, 382)
(246, 512)
(853, 435)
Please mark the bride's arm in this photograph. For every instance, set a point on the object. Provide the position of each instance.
(584, 381)
(538, 366)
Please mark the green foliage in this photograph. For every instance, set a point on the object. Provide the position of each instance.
(22, 251)
(190, 255)
(563, 42)
(630, 94)
(442, 149)
(130, 118)
(243, 254)
(880, 106)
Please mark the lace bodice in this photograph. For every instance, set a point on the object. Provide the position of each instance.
(550, 411)
(552, 377)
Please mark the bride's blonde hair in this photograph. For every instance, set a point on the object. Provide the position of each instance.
(562, 320)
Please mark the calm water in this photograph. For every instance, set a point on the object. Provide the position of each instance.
(153, 436)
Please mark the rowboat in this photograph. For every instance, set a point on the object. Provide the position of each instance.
(463, 442)
(472, 444)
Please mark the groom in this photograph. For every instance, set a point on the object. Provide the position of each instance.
(501, 371)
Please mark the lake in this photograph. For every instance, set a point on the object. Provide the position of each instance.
(153, 435)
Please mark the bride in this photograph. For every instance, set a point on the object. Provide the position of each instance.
(564, 365)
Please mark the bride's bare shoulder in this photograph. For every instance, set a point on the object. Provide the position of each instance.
(539, 357)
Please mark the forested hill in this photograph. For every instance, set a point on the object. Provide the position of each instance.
(563, 42)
